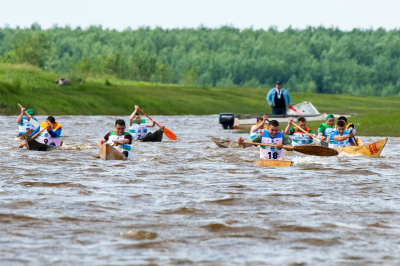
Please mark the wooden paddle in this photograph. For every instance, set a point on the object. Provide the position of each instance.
(305, 132)
(23, 143)
(307, 149)
(167, 132)
(32, 121)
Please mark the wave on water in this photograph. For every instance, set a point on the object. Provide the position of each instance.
(75, 147)
(313, 160)
(344, 154)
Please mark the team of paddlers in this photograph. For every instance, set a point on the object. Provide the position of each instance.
(50, 132)
(339, 135)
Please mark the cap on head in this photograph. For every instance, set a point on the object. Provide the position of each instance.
(330, 116)
(29, 111)
(278, 83)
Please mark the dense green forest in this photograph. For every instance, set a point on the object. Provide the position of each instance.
(321, 60)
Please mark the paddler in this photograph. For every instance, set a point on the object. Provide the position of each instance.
(326, 128)
(259, 126)
(270, 136)
(349, 126)
(52, 134)
(138, 126)
(298, 136)
(120, 139)
(24, 121)
(341, 136)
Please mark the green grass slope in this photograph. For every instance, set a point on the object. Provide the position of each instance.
(36, 89)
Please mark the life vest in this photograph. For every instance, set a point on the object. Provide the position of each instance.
(120, 148)
(25, 125)
(253, 134)
(271, 153)
(138, 131)
(327, 130)
(301, 138)
(336, 144)
(45, 137)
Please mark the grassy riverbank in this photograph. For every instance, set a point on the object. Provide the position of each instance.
(36, 89)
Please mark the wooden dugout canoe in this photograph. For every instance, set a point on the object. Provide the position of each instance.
(371, 150)
(225, 143)
(33, 145)
(156, 136)
(272, 163)
(108, 152)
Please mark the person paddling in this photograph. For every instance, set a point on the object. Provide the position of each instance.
(138, 126)
(24, 122)
(270, 136)
(52, 134)
(349, 126)
(326, 128)
(298, 136)
(120, 139)
(258, 127)
(341, 137)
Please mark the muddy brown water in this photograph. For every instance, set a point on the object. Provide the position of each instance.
(188, 202)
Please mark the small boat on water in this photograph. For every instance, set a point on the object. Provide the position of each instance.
(33, 145)
(225, 143)
(108, 152)
(272, 163)
(156, 136)
(370, 150)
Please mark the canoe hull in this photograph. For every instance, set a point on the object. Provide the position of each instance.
(108, 152)
(371, 150)
(33, 145)
(272, 163)
(225, 143)
(156, 136)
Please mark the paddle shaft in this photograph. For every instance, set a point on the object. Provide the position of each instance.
(305, 131)
(270, 145)
(167, 132)
(148, 117)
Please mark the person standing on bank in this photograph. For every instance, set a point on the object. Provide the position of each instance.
(279, 99)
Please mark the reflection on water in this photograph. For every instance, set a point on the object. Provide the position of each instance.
(189, 202)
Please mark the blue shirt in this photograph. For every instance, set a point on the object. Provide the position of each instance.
(336, 133)
(271, 97)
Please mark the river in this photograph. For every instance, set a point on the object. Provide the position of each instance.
(187, 202)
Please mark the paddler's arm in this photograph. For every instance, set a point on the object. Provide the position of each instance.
(152, 124)
(55, 133)
(133, 115)
(19, 119)
(289, 126)
(261, 124)
(285, 141)
(101, 142)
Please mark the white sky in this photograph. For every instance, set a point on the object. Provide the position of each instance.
(120, 14)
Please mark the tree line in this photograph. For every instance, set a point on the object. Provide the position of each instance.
(320, 60)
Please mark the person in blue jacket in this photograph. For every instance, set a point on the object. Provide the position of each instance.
(279, 99)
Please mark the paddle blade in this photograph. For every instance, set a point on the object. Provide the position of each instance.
(34, 123)
(169, 134)
(316, 150)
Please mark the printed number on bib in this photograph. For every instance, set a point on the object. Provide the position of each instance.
(45, 141)
(273, 155)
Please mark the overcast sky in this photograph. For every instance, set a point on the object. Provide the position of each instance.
(121, 14)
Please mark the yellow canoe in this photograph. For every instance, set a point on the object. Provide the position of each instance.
(272, 163)
(371, 150)
(108, 152)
